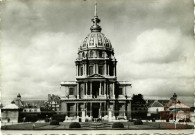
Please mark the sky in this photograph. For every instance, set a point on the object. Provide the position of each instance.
(152, 39)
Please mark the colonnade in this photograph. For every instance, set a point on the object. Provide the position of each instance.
(88, 89)
(106, 70)
(101, 109)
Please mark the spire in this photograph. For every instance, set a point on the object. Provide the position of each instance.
(95, 13)
(95, 27)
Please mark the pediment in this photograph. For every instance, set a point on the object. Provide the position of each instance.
(96, 76)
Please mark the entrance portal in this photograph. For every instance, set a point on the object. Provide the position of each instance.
(95, 89)
(95, 110)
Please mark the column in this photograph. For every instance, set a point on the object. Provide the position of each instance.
(65, 109)
(113, 90)
(100, 110)
(100, 89)
(86, 108)
(105, 69)
(77, 110)
(90, 109)
(109, 114)
(97, 68)
(114, 70)
(85, 68)
(90, 88)
(104, 88)
(77, 90)
(108, 70)
(94, 68)
(86, 88)
(129, 110)
(114, 109)
(76, 70)
(125, 91)
(105, 108)
(83, 115)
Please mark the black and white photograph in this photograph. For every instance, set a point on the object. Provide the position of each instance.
(97, 67)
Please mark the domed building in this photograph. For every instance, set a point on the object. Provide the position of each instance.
(96, 93)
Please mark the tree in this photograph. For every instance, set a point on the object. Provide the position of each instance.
(139, 107)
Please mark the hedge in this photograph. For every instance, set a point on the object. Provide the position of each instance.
(117, 125)
(74, 125)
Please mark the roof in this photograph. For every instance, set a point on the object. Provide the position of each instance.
(34, 102)
(156, 104)
(68, 83)
(11, 106)
(96, 39)
(18, 102)
(124, 83)
(179, 105)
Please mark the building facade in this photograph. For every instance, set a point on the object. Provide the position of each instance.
(53, 102)
(96, 93)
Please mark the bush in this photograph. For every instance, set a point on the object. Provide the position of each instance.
(74, 125)
(59, 117)
(138, 122)
(54, 122)
(117, 125)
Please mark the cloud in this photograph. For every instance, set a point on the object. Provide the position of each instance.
(159, 62)
(39, 66)
(161, 46)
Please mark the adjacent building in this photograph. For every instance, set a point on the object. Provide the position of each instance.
(96, 93)
(10, 113)
(53, 102)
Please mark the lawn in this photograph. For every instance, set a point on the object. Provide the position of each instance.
(92, 125)
(23, 126)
